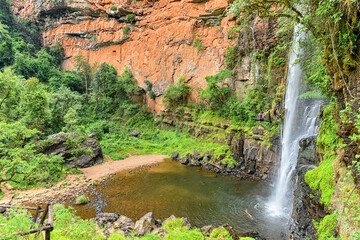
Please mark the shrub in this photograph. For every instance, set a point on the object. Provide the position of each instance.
(149, 89)
(126, 30)
(217, 91)
(130, 18)
(232, 57)
(176, 95)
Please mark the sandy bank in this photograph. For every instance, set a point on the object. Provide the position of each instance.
(74, 185)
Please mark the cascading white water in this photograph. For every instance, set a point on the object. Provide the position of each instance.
(300, 122)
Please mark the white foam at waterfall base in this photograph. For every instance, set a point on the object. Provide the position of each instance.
(300, 122)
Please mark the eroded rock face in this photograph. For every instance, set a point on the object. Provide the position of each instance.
(157, 47)
(57, 144)
(306, 204)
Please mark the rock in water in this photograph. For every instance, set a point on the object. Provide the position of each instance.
(175, 155)
(124, 223)
(56, 144)
(206, 230)
(145, 224)
(184, 160)
(103, 219)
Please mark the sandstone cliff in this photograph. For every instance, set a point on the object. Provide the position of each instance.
(157, 45)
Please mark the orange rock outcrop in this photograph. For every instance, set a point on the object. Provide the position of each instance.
(158, 45)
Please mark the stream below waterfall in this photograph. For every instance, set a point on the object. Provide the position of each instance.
(193, 192)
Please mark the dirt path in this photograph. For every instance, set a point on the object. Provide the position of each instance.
(74, 185)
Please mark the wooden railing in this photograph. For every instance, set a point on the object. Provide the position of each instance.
(42, 228)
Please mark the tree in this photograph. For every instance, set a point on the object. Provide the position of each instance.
(19, 161)
(34, 104)
(85, 70)
(10, 89)
(60, 103)
(105, 87)
(71, 119)
(176, 95)
(6, 47)
(217, 90)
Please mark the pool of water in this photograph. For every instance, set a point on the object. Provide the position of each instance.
(196, 193)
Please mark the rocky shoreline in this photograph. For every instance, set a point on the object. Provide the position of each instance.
(116, 223)
(210, 162)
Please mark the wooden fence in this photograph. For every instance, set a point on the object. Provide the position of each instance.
(44, 229)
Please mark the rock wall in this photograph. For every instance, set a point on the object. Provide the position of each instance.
(306, 205)
(157, 47)
(254, 157)
(158, 44)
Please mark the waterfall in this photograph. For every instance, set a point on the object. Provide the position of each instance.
(300, 122)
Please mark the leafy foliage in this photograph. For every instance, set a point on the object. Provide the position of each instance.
(217, 91)
(176, 95)
(130, 18)
(19, 159)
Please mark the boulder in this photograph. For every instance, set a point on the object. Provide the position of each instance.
(184, 160)
(171, 218)
(124, 223)
(206, 230)
(56, 144)
(307, 151)
(175, 155)
(134, 133)
(197, 156)
(194, 163)
(159, 231)
(251, 234)
(231, 230)
(207, 157)
(145, 224)
(103, 219)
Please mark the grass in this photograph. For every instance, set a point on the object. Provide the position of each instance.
(120, 145)
(81, 199)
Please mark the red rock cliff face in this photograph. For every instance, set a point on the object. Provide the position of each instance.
(158, 45)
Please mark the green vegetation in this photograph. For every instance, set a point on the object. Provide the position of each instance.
(233, 57)
(176, 95)
(126, 30)
(38, 99)
(113, 8)
(330, 64)
(68, 226)
(321, 178)
(197, 43)
(326, 227)
(220, 233)
(130, 18)
(118, 144)
(82, 199)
